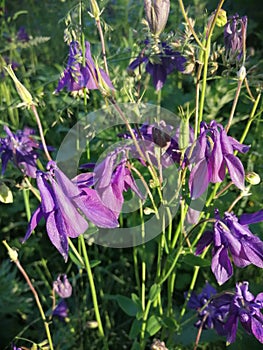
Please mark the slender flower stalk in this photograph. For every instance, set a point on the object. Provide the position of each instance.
(92, 285)
(13, 255)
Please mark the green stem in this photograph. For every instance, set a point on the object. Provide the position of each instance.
(144, 324)
(251, 119)
(98, 23)
(204, 80)
(92, 285)
(239, 85)
(46, 325)
(27, 204)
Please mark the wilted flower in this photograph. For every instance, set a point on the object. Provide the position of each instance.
(232, 235)
(212, 310)
(235, 35)
(20, 148)
(245, 307)
(61, 310)
(160, 64)
(77, 75)
(62, 286)
(157, 12)
(213, 153)
(158, 345)
(61, 201)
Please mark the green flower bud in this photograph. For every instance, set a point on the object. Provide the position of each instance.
(157, 12)
(221, 18)
(24, 94)
(253, 178)
(11, 252)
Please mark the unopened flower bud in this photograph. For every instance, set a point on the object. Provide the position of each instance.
(157, 12)
(253, 178)
(241, 74)
(24, 94)
(221, 18)
(95, 11)
(11, 252)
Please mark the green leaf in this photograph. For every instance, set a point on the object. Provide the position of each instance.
(153, 325)
(193, 260)
(94, 263)
(135, 329)
(154, 291)
(127, 305)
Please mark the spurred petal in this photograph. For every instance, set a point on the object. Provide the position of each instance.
(57, 232)
(204, 241)
(236, 170)
(46, 193)
(35, 218)
(221, 265)
(216, 160)
(246, 219)
(91, 205)
(237, 146)
(231, 326)
(257, 326)
(199, 179)
(74, 221)
(158, 73)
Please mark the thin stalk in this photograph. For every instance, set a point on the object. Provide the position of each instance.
(204, 80)
(143, 287)
(92, 285)
(144, 323)
(40, 129)
(181, 4)
(27, 204)
(42, 314)
(239, 85)
(102, 41)
(251, 118)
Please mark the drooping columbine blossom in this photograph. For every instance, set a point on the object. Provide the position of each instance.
(235, 35)
(214, 152)
(61, 201)
(20, 148)
(245, 307)
(112, 177)
(212, 310)
(232, 235)
(159, 65)
(77, 75)
(62, 286)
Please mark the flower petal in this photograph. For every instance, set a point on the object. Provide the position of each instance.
(236, 170)
(199, 179)
(221, 265)
(35, 218)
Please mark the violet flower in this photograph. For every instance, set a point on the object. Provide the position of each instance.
(235, 35)
(212, 310)
(20, 148)
(245, 307)
(62, 286)
(22, 35)
(214, 152)
(61, 201)
(232, 235)
(77, 75)
(112, 178)
(61, 310)
(159, 65)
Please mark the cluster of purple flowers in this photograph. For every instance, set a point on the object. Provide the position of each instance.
(223, 311)
(159, 65)
(20, 148)
(81, 72)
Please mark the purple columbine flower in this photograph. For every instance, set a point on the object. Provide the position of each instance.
(160, 64)
(245, 307)
(61, 310)
(213, 153)
(212, 310)
(235, 35)
(61, 201)
(77, 75)
(232, 235)
(62, 286)
(20, 148)
(112, 177)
